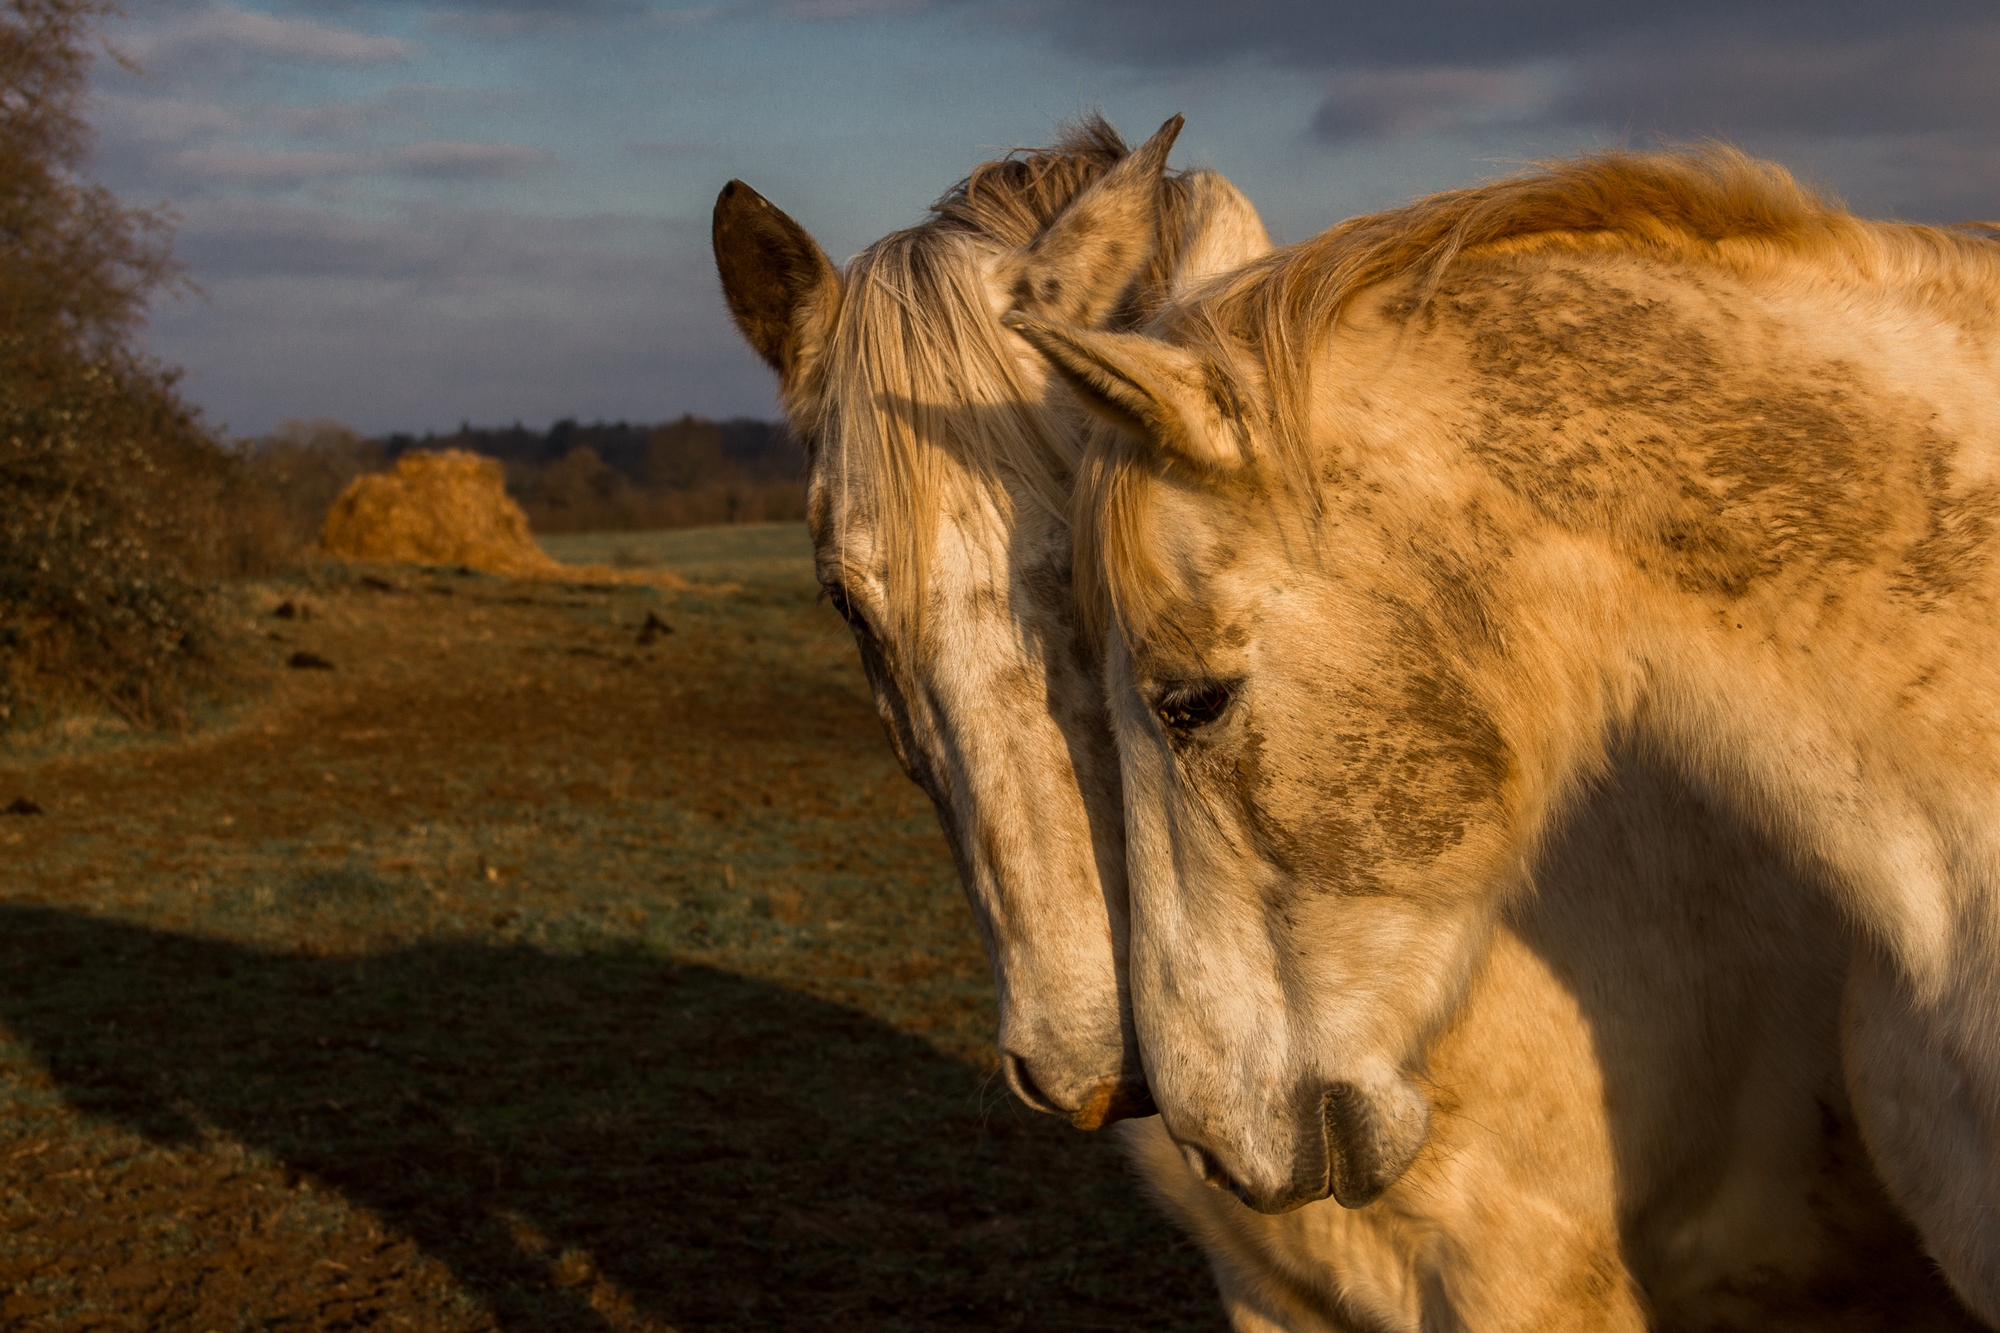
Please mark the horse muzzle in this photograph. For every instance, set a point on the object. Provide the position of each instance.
(1103, 1103)
(1354, 1143)
(1369, 1140)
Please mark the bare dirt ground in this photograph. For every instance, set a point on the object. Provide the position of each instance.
(525, 969)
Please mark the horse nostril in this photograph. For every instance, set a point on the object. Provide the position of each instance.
(1024, 1085)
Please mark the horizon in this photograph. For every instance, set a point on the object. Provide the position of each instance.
(406, 214)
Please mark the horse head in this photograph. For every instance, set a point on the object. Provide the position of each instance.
(941, 453)
(1318, 798)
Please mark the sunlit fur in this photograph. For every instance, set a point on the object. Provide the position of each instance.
(939, 479)
(1714, 208)
(1731, 1201)
(1637, 463)
(925, 392)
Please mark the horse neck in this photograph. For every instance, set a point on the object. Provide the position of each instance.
(1780, 740)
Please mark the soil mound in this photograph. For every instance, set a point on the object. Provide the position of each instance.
(444, 508)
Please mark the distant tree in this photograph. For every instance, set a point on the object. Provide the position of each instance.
(80, 267)
(683, 454)
(111, 491)
(579, 481)
(304, 466)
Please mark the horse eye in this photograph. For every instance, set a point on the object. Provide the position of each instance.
(837, 597)
(1188, 708)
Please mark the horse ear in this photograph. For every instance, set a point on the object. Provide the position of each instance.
(1223, 231)
(782, 290)
(1082, 264)
(1175, 399)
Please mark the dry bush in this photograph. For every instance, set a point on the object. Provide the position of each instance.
(445, 508)
(110, 495)
(109, 485)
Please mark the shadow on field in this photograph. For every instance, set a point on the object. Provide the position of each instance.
(563, 1129)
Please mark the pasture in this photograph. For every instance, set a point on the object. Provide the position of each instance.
(524, 970)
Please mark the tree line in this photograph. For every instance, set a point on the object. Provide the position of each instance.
(604, 476)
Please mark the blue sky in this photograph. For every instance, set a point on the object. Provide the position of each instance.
(404, 215)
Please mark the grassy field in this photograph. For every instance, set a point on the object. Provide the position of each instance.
(524, 970)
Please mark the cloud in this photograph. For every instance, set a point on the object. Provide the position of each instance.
(465, 161)
(543, 7)
(436, 248)
(1738, 68)
(1901, 80)
(1373, 102)
(164, 120)
(841, 10)
(220, 31)
(424, 161)
(416, 320)
(668, 150)
(1419, 33)
(515, 18)
(405, 107)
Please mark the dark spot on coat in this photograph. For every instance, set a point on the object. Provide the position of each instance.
(1587, 395)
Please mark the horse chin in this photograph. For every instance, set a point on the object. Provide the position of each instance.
(1093, 1105)
(1114, 1100)
(1354, 1143)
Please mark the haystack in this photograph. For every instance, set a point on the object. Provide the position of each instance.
(445, 508)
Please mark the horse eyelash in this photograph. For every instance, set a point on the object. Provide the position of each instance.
(1199, 703)
(843, 606)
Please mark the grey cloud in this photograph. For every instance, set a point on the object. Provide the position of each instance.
(668, 150)
(1369, 102)
(579, 7)
(409, 106)
(423, 161)
(214, 33)
(518, 18)
(465, 161)
(445, 313)
(437, 249)
(1738, 68)
(164, 120)
(838, 10)
(1355, 33)
(1899, 81)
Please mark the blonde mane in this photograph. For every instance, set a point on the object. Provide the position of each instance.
(922, 380)
(1712, 205)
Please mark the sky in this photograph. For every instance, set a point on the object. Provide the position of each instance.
(407, 215)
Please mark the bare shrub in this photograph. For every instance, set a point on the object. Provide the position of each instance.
(109, 484)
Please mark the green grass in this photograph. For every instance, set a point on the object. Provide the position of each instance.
(520, 974)
(754, 551)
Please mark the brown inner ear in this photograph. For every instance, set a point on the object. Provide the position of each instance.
(769, 267)
(1109, 395)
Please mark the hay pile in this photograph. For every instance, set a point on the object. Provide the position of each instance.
(444, 508)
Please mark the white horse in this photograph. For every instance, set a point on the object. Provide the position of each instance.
(939, 489)
(1419, 530)
(941, 467)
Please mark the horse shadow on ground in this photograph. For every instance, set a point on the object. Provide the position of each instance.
(728, 1153)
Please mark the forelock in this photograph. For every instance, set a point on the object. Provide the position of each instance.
(921, 381)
